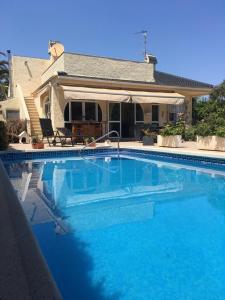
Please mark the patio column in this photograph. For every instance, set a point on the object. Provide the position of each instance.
(57, 107)
(188, 109)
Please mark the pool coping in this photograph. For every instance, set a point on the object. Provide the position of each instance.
(171, 150)
(23, 270)
(24, 274)
(64, 152)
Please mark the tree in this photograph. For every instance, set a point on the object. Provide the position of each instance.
(218, 93)
(211, 109)
(4, 77)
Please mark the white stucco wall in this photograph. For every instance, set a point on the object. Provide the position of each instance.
(16, 103)
(11, 104)
(26, 71)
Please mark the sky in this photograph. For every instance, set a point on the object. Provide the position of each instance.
(186, 36)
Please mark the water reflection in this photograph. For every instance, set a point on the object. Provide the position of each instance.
(82, 194)
(171, 224)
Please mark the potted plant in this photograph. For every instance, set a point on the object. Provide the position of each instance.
(148, 137)
(210, 136)
(92, 142)
(37, 143)
(190, 133)
(86, 140)
(171, 135)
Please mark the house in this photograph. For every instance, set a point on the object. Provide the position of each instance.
(91, 94)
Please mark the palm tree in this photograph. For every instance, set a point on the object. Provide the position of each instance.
(4, 77)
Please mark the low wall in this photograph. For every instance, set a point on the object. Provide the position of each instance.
(23, 271)
(211, 143)
(172, 141)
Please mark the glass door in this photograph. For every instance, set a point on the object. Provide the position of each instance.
(115, 117)
(155, 114)
(128, 120)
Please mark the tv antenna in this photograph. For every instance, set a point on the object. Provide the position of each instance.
(144, 33)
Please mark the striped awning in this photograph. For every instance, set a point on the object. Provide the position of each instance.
(83, 93)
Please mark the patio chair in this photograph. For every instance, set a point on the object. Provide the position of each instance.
(66, 133)
(138, 134)
(53, 137)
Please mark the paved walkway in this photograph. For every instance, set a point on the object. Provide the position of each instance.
(187, 148)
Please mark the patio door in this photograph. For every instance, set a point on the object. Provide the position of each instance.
(155, 114)
(114, 117)
(123, 117)
(128, 120)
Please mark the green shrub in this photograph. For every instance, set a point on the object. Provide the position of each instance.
(214, 127)
(190, 134)
(205, 129)
(220, 131)
(3, 136)
(170, 129)
(14, 128)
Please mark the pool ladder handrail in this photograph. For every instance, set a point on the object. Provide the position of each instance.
(102, 137)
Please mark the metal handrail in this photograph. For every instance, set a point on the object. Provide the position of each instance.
(102, 137)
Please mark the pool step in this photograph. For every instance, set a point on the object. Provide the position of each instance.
(34, 179)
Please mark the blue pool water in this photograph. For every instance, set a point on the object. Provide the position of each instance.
(127, 228)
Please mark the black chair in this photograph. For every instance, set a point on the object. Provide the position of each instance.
(66, 133)
(155, 127)
(53, 137)
(138, 131)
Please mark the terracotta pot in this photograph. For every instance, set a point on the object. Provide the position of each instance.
(93, 144)
(38, 146)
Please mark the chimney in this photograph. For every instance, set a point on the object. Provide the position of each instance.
(55, 49)
(151, 59)
(10, 89)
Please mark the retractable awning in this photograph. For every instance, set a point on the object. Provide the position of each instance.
(83, 93)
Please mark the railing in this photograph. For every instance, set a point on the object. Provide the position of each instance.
(102, 137)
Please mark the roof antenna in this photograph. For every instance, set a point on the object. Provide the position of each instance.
(144, 33)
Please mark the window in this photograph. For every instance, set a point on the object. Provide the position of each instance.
(114, 111)
(47, 108)
(82, 111)
(114, 126)
(12, 114)
(114, 117)
(172, 117)
(99, 114)
(76, 111)
(174, 110)
(90, 113)
(155, 113)
(66, 113)
(139, 113)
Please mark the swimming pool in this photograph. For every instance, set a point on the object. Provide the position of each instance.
(129, 227)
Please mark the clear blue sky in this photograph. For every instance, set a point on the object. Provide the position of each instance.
(187, 36)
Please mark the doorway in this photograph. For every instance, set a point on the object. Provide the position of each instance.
(127, 120)
(124, 117)
(155, 114)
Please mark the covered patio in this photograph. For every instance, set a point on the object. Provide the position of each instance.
(94, 111)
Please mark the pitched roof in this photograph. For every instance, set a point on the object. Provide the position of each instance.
(107, 68)
(162, 78)
(90, 66)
